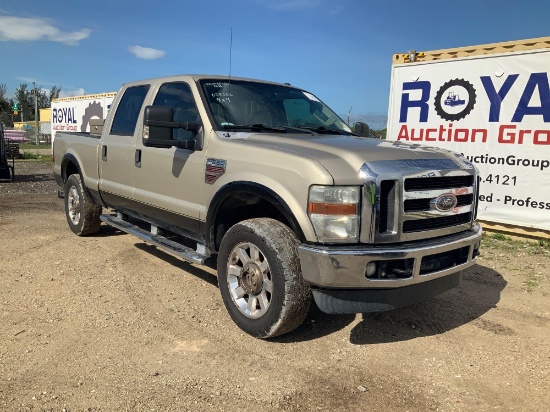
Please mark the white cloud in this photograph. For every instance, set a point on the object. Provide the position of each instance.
(71, 93)
(146, 53)
(290, 4)
(33, 28)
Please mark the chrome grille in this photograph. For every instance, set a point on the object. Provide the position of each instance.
(406, 207)
(416, 205)
(410, 226)
(432, 183)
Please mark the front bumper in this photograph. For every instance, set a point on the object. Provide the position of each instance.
(338, 273)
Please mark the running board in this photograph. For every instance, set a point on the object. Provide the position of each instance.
(166, 245)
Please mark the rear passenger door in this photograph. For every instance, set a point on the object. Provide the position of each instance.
(169, 181)
(116, 152)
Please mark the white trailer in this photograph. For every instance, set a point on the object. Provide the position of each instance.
(490, 103)
(73, 114)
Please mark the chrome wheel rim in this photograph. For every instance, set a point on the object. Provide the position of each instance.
(249, 280)
(73, 205)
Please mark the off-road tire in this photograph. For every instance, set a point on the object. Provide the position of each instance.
(290, 296)
(82, 214)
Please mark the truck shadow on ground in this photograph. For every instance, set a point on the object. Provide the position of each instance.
(316, 325)
(39, 177)
(109, 231)
(181, 264)
(479, 292)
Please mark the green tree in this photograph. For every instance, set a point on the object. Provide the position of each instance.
(3, 102)
(24, 97)
(380, 134)
(6, 115)
(54, 93)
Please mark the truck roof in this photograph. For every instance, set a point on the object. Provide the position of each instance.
(490, 48)
(195, 77)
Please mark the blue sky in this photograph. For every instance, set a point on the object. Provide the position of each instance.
(340, 50)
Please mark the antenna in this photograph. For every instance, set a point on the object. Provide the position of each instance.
(351, 107)
(230, 48)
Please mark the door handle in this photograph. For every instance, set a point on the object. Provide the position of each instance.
(104, 153)
(137, 157)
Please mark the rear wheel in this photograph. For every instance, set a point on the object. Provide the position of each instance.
(260, 278)
(82, 214)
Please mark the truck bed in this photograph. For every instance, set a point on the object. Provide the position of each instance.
(84, 147)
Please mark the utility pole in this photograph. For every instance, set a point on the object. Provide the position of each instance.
(36, 113)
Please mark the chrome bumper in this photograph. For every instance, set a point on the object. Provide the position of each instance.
(335, 267)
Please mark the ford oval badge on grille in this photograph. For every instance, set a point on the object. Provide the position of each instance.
(445, 202)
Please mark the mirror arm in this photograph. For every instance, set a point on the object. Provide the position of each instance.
(191, 126)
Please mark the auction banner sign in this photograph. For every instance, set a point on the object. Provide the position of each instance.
(73, 114)
(494, 110)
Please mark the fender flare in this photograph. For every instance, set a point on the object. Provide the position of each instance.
(254, 188)
(69, 157)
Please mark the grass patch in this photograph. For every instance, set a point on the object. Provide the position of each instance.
(34, 146)
(530, 284)
(506, 244)
(499, 236)
(34, 156)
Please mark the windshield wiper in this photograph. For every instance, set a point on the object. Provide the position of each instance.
(260, 126)
(255, 127)
(325, 130)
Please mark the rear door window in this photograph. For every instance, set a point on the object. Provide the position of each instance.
(128, 110)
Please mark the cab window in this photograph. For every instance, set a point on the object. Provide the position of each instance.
(127, 113)
(179, 97)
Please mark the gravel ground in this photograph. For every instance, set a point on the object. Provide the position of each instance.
(106, 323)
(32, 177)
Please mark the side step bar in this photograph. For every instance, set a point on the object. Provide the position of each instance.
(166, 245)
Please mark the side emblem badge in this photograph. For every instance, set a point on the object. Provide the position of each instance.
(214, 169)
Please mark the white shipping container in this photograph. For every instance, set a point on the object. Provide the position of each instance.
(490, 103)
(73, 114)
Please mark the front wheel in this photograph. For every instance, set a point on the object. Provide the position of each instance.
(260, 278)
(82, 214)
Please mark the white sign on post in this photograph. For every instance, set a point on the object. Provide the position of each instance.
(495, 110)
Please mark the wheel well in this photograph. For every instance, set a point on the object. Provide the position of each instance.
(241, 206)
(69, 168)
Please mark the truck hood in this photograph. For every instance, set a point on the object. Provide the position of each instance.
(343, 156)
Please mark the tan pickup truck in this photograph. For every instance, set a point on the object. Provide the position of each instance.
(291, 201)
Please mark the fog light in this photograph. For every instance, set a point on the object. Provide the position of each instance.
(371, 269)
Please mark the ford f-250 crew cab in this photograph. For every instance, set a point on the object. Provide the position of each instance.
(271, 181)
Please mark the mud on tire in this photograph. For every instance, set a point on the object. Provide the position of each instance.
(260, 278)
(82, 214)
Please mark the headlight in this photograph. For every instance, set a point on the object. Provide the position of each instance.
(334, 213)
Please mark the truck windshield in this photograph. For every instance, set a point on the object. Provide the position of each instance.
(268, 107)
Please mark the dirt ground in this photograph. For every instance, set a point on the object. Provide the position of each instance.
(107, 323)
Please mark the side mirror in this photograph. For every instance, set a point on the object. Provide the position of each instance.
(156, 130)
(158, 126)
(361, 129)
